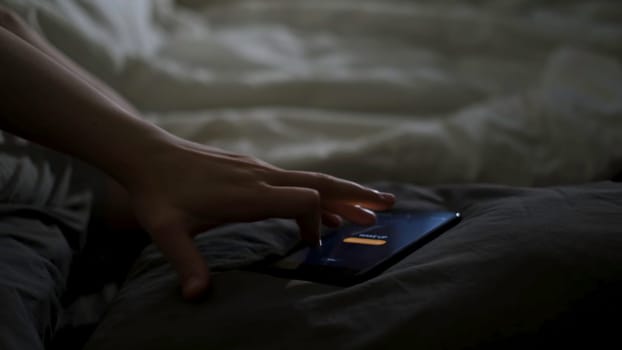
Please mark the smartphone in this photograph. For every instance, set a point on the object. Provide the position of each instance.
(352, 254)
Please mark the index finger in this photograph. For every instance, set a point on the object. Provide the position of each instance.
(335, 189)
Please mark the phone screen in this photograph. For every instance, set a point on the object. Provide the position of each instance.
(357, 249)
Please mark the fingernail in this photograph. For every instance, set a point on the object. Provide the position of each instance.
(367, 211)
(369, 218)
(340, 222)
(193, 288)
(388, 197)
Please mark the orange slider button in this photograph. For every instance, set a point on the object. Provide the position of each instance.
(364, 241)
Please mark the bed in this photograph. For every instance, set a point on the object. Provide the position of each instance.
(516, 104)
(538, 268)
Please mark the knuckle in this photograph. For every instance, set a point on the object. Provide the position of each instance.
(245, 158)
(249, 160)
(8, 18)
(321, 180)
(265, 174)
(311, 199)
(261, 172)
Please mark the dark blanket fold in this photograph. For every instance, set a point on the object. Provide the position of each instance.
(44, 210)
(526, 266)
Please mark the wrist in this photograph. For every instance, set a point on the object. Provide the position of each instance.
(135, 154)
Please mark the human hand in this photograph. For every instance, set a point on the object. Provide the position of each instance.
(190, 188)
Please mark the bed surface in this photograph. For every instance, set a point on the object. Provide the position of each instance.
(524, 267)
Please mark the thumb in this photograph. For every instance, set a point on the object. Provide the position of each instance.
(180, 250)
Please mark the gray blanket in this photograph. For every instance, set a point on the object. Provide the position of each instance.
(525, 267)
(44, 209)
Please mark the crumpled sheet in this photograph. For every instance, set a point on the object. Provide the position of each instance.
(520, 92)
(525, 268)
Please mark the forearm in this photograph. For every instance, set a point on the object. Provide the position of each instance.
(45, 102)
(14, 24)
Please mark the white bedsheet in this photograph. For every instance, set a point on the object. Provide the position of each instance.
(515, 92)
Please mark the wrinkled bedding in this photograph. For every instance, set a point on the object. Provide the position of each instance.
(428, 92)
(45, 204)
(525, 267)
(514, 92)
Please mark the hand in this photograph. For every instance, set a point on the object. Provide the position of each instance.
(190, 188)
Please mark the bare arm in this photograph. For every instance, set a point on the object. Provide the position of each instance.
(14, 24)
(177, 188)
